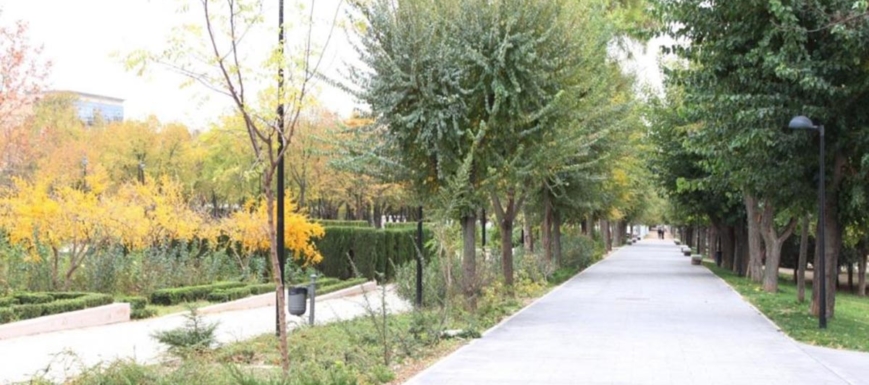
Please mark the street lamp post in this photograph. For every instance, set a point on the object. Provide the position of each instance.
(804, 123)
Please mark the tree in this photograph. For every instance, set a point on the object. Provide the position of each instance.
(212, 54)
(473, 88)
(22, 76)
(772, 61)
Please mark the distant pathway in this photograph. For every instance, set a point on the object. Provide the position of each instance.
(644, 315)
(64, 353)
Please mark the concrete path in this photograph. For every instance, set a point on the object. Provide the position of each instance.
(644, 315)
(61, 355)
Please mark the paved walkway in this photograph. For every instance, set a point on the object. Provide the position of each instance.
(63, 354)
(644, 315)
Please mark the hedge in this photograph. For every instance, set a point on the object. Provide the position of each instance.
(61, 304)
(142, 313)
(232, 294)
(339, 223)
(340, 285)
(33, 298)
(178, 295)
(370, 249)
(136, 302)
(8, 301)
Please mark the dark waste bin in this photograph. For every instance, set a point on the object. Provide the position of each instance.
(298, 300)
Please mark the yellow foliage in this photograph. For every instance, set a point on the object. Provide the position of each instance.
(249, 227)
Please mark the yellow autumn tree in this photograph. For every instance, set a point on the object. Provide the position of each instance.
(248, 227)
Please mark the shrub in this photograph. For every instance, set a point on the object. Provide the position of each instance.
(7, 315)
(340, 285)
(32, 310)
(339, 223)
(195, 336)
(189, 293)
(136, 302)
(262, 288)
(226, 295)
(434, 285)
(371, 250)
(8, 301)
(33, 298)
(142, 313)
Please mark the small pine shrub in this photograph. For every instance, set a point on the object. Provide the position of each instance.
(196, 336)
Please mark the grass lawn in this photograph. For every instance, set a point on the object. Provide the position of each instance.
(849, 329)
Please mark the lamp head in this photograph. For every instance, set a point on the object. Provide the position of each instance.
(802, 123)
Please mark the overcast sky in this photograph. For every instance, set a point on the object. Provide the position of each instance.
(83, 37)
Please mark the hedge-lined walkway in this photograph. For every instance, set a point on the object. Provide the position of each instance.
(21, 358)
(644, 315)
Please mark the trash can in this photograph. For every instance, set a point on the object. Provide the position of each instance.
(297, 300)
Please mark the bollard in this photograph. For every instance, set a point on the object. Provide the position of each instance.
(312, 290)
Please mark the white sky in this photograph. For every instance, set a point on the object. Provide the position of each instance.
(82, 38)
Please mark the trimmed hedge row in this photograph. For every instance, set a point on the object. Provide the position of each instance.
(178, 295)
(340, 223)
(8, 301)
(136, 302)
(232, 294)
(61, 303)
(370, 249)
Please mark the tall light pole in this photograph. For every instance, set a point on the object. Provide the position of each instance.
(280, 174)
(804, 123)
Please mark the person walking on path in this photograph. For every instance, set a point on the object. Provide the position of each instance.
(660, 232)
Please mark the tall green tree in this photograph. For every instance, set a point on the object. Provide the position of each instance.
(754, 65)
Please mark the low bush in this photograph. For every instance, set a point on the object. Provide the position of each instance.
(33, 298)
(25, 311)
(226, 295)
(178, 295)
(324, 285)
(136, 302)
(8, 301)
(339, 223)
(6, 315)
(142, 313)
(340, 285)
(195, 336)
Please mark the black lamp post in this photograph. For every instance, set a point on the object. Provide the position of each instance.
(804, 123)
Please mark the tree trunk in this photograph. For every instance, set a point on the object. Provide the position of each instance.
(832, 242)
(483, 229)
(556, 236)
(861, 273)
(276, 276)
(506, 217)
(378, 214)
(546, 227)
(740, 254)
(469, 258)
(506, 228)
(583, 226)
(728, 246)
(801, 263)
(605, 234)
(617, 234)
(528, 237)
(755, 259)
(851, 277)
(774, 243)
